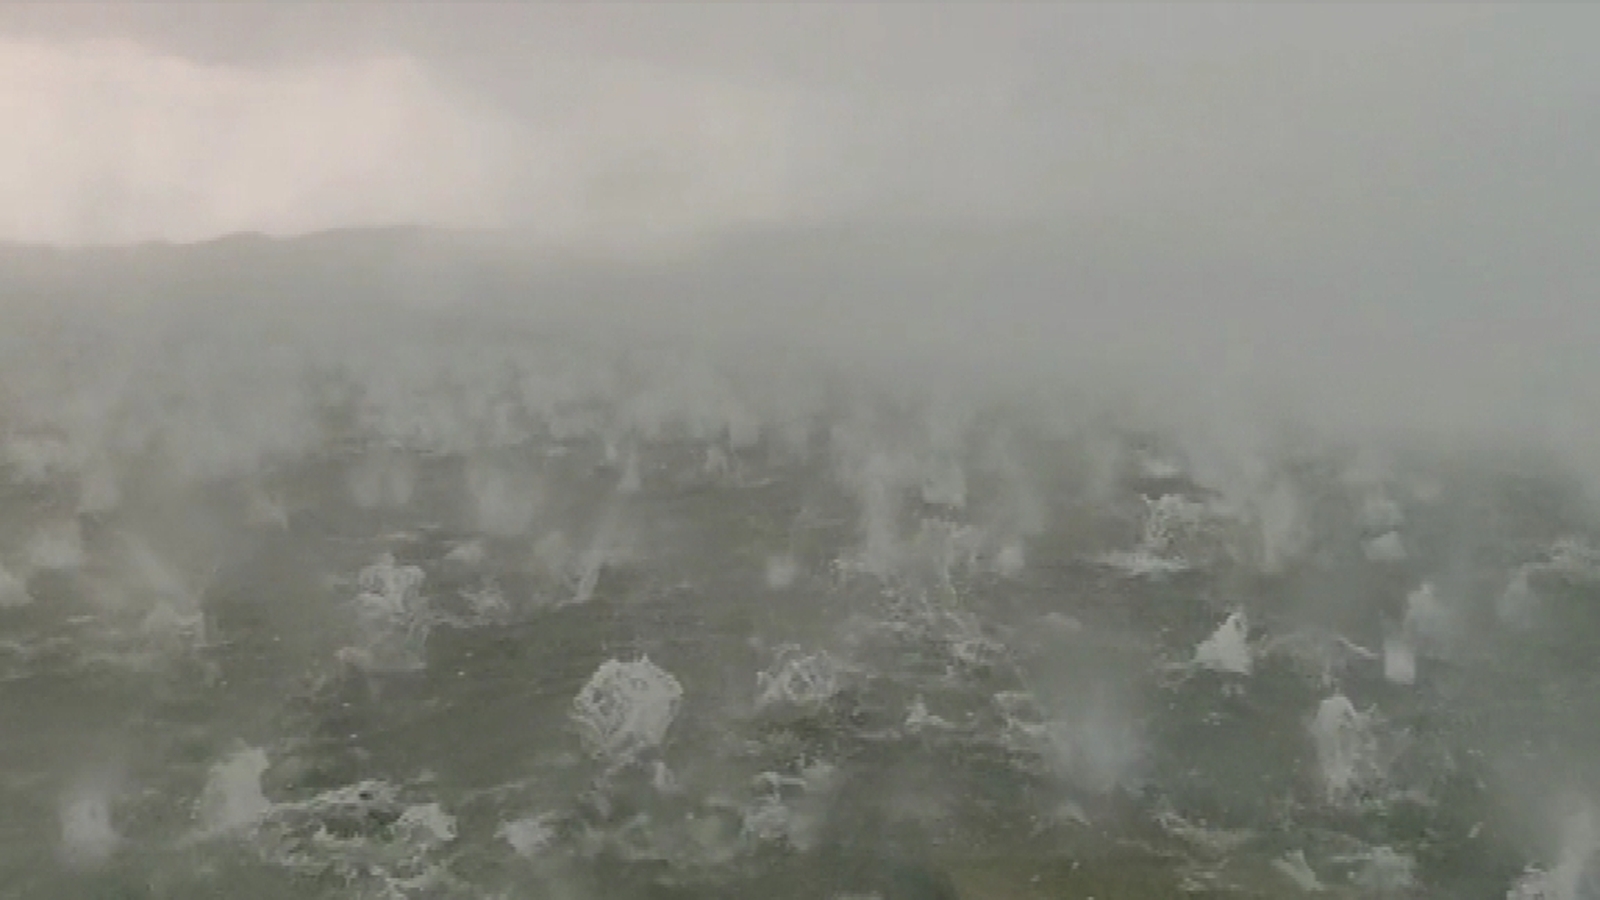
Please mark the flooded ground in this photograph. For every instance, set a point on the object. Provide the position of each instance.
(524, 622)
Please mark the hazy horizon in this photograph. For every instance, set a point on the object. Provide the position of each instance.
(1372, 215)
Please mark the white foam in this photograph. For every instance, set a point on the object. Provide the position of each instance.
(232, 797)
(1427, 618)
(626, 708)
(426, 824)
(798, 678)
(767, 820)
(1228, 648)
(1294, 867)
(1168, 520)
(392, 617)
(528, 836)
(1213, 840)
(402, 860)
(1142, 563)
(919, 719)
(1576, 872)
(663, 779)
(796, 820)
(587, 568)
(1575, 558)
(1170, 523)
(1347, 749)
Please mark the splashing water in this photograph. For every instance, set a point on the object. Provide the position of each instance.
(1228, 648)
(799, 679)
(392, 617)
(595, 650)
(1575, 875)
(626, 708)
(1348, 752)
(232, 797)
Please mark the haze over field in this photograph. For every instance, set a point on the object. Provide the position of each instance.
(1397, 200)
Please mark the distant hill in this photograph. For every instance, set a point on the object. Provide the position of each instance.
(838, 283)
(1373, 337)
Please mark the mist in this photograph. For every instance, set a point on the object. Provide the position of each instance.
(1164, 439)
(1386, 206)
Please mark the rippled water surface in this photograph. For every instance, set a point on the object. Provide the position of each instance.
(506, 618)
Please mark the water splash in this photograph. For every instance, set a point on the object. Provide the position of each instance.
(232, 797)
(1167, 540)
(1575, 874)
(1228, 648)
(392, 617)
(365, 836)
(1349, 757)
(529, 836)
(626, 709)
(799, 679)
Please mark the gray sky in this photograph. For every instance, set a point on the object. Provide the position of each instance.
(1414, 188)
(1341, 125)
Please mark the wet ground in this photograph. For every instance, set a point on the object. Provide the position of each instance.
(856, 653)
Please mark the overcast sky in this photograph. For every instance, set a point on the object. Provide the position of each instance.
(1344, 123)
(1368, 179)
